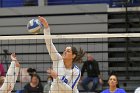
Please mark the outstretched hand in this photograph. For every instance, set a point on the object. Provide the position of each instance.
(14, 58)
(43, 21)
(52, 73)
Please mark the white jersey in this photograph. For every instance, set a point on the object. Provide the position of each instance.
(10, 79)
(67, 78)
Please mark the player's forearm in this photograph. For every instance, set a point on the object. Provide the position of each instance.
(48, 38)
(11, 77)
(11, 68)
(4, 91)
(50, 46)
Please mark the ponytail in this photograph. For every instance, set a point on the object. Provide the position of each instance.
(79, 54)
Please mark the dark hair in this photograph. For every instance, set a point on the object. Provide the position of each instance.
(31, 71)
(116, 78)
(35, 75)
(79, 54)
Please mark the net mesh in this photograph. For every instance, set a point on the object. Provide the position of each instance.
(105, 48)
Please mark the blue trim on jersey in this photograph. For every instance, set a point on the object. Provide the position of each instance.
(63, 78)
(76, 78)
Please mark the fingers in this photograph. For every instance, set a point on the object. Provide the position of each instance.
(13, 57)
(43, 21)
(49, 70)
(52, 73)
(13, 54)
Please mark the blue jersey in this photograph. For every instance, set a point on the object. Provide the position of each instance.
(118, 90)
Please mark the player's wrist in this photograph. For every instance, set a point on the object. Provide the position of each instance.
(17, 64)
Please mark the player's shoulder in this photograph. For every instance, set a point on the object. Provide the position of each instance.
(121, 90)
(105, 91)
(76, 69)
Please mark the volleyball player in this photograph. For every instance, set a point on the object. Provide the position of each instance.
(11, 76)
(65, 74)
(113, 85)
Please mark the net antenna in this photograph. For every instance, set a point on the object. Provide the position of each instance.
(71, 36)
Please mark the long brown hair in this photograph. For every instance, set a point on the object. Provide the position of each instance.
(79, 54)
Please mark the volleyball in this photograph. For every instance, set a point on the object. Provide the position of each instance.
(34, 26)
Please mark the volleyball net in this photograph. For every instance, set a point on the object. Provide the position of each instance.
(71, 36)
(107, 49)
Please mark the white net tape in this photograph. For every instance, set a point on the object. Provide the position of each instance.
(71, 36)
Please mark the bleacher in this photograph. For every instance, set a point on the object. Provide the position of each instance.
(62, 20)
(124, 52)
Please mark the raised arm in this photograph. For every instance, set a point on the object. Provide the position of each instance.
(11, 75)
(48, 40)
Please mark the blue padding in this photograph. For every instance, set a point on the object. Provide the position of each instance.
(131, 3)
(63, 2)
(118, 3)
(0, 3)
(18, 3)
(92, 1)
(59, 2)
(12, 3)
